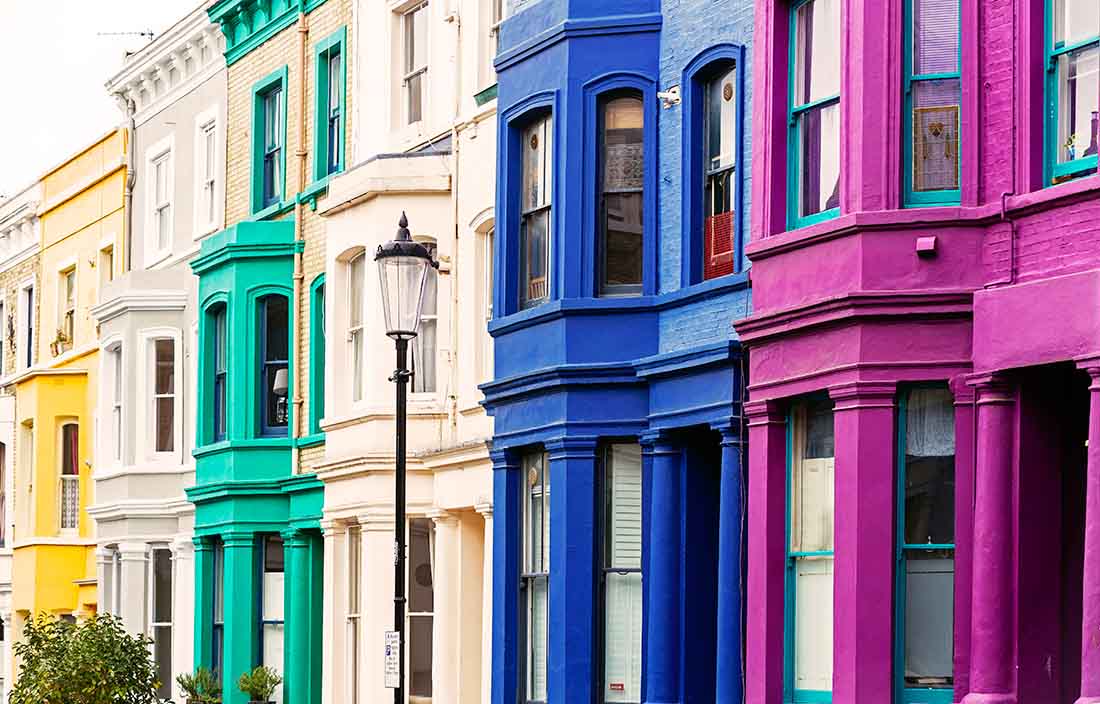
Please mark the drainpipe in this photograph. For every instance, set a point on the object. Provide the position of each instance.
(301, 153)
(128, 193)
(455, 149)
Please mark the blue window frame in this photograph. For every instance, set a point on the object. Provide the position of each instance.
(925, 573)
(219, 388)
(808, 620)
(328, 146)
(274, 375)
(269, 141)
(933, 100)
(814, 153)
(534, 581)
(622, 193)
(1072, 87)
(713, 139)
(535, 216)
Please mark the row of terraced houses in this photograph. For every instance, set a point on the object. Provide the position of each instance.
(795, 304)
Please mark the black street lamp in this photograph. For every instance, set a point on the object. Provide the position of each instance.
(403, 267)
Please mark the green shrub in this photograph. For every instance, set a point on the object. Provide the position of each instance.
(260, 684)
(202, 687)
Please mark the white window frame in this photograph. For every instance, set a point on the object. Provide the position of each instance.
(64, 479)
(28, 336)
(147, 404)
(414, 348)
(152, 603)
(161, 152)
(356, 337)
(112, 371)
(496, 11)
(207, 213)
(105, 262)
(353, 609)
(66, 308)
(409, 68)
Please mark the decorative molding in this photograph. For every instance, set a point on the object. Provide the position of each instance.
(246, 24)
(139, 301)
(137, 80)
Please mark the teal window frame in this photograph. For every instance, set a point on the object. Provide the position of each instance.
(942, 197)
(903, 694)
(213, 426)
(317, 342)
(276, 80)
(790, 694)
(794, 220)
(265, 365)
(323, 51)
(1084, 166)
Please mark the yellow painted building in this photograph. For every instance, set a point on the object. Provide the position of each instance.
(82, 222)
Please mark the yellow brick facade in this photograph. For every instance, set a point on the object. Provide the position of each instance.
(278, 51)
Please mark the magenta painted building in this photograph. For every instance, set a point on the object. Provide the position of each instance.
(924, 415)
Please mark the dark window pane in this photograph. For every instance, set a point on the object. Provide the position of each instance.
(162, 648)
(929, 619)
(930, 467)
(819, 430)
(421, 592)
(623, 239)
(276, 341)
(420, 656)
(273, 554)
(165, 424)
(165, 352)
(162, 586)
(623, 181)
(70, 440)
(819, 159)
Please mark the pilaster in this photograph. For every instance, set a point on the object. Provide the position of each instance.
(134, 557)
(731, 539)
(445, 581)
(1090, 591)
(662, 654)
(505, 576)
(486, 511)
(239, 585)
(296, 641)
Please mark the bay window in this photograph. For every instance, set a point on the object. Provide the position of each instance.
(814, 159)
(535, 209)
(160, 620)
(114, 356)
(164, 395)
(271, 605)
(926, 544)
(622, 182)
(535, 578)
(1073, 87)
(720, 171)
(933, 96)
(424, 345)
(622, 574)
(273, 373)
(809, 609)
(421, 578)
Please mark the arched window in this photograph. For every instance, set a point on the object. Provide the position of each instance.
(219, 349)
(622, 180)
(274, 375)
(535, 208)
(719, 169)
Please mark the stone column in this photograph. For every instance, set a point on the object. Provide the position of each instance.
(991, 638)
(964, 530)
(571, 651)
(731, 536)
(204, 602)
(445, 604)
(296, 631)
(863, 583)
(506, 560)
(486, 511)
(239, 583)
(1090, 592)
(333, 646)
(767, 550)
(184, 602)
(103, 558)
(133, 599)
(662, 656)
(376, 608)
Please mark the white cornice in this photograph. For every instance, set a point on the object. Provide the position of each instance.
(180, 42)
(140, 508)
(140, 300)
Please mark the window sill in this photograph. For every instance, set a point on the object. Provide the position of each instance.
(312, 440)
(272, 211)
(486, 96)
(245, 445)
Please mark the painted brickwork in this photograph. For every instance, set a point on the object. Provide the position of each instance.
(278, 51)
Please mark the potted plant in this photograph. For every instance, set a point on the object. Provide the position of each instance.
(260, 684)
(200, 688)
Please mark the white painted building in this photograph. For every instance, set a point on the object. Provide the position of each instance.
(19, 247)
(173, 93)
(424, 143)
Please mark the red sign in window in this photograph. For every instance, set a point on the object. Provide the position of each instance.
(617, 687)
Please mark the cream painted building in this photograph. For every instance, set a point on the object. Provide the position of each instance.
(173, 96)
(423, 143)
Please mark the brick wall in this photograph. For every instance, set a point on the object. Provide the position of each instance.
(282, 50)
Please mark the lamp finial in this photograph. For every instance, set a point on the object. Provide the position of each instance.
(403, 228)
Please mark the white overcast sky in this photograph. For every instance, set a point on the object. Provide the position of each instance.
(54, 67)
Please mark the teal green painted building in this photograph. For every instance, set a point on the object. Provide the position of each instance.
(258, 545)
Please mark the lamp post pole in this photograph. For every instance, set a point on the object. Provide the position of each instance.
(401, 379)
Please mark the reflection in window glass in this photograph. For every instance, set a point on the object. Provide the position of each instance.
(623, 179)
(535, 199)
(816, 105)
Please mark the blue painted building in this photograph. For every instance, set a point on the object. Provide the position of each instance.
(622, 215)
